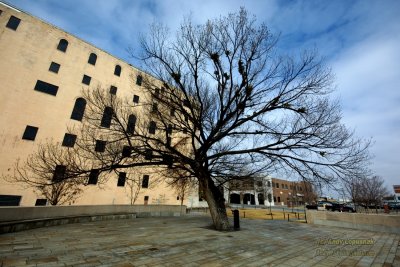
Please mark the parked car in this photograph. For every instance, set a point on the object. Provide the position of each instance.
(312, 207)
(340, 207)
(322, 205)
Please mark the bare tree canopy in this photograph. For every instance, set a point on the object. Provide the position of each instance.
(221, 104)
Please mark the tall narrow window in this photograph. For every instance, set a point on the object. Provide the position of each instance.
(172, 112)
(169, 129)
(148, 154)
(131, 124)
(154, 108)
(13, 23)
(135, 99)
(145, 181)
(117, 70)
(86, 79)
(126, 151)
(79, 109)
(92, 59)
(139, 80)
(47, 88)
(62, 45)
(152, 127)
(100, 146)
(156, 93)
(107, 116)
(69, 140)
(121, 179)
(30, 133)
(113, 90)
(54, 67)
(93, 176)
(59, 173)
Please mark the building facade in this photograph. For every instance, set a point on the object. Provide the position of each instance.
(256, 191)
(292, 193)
(43, 70)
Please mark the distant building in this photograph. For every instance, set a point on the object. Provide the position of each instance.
(292, 193)
(252, 191)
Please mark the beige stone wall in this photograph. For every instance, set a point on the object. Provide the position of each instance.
(26, 55)
(370, 222)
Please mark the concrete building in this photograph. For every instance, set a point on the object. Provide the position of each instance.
(250, 192)
(42, 72)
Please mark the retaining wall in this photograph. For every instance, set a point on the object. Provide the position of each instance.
(372, 222)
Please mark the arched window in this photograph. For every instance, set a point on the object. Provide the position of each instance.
(117, 70)
(131, 124)
(79, 109)
(152, 127)
(92, 59)
(62, 45)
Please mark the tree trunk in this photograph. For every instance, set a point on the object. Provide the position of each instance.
(216, 204)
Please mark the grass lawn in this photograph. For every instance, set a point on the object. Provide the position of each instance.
(266, 215)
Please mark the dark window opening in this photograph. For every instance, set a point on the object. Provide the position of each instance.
(79, 109)
(177, 198)
(154, 107)
(135, 99)
(13, 23)
(146, 198)
(117, 70)
(41, 202)
(121, 179)
(139, 80)
(168, 141)
(172, 113)
(186, 102)
(93, 177)
(46, 88)
(30, 133)
(145, 181)
(277, 185)
(126, 151)
(92, 59)
(54, 67)
(152, 127)
(113, 90)
(169, 129)
(131, 124)
(148, 155)
(107, 116)
(169, 160)
(156, 92)
(274, 199)
(186, 118)
(9, 200)
(279, 199)
(100, 146)
(62, 45)
(69, 140)
(1, 11)
(59, 173)
(86, 79)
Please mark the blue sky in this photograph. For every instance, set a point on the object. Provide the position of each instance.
(360, 40)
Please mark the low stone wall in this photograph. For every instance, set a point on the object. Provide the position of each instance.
(14, 219)
(372, 222)
(8, 214)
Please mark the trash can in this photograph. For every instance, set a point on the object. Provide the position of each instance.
(236, 224)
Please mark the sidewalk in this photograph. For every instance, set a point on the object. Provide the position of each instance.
(188, 241)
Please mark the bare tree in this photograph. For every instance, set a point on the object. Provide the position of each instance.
(38, 172)
(246, 109)
(366, 191)
(220, 105)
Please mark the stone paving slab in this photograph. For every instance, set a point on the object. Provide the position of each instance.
(189, 241)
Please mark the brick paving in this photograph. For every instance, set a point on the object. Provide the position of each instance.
(188, 241)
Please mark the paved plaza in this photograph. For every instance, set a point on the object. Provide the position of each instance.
(188, 241)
